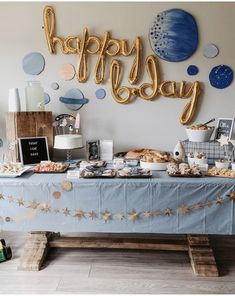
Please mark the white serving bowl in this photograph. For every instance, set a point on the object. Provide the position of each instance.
(199, 161)
(199, 135)
(153, 166)
(233, 166)
(222, 165)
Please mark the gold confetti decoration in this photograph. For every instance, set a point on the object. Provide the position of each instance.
(45, 208)
(33, 205)
(66, 185)
(1, 196)
(208, 203)
(79, 214)
(106, 216)
(56, 194)
(66, 212)
(20, 202)
(232, 196)
(219, 201)
(133, 216)
(157, 213)
(92, 215)
(184, 209)
(147, 215)
(197, 206)
(120, 216)
(56, 211)
(168, 212)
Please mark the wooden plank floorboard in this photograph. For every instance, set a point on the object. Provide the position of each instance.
(116, 271)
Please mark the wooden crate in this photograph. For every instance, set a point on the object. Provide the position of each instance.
(28, 124)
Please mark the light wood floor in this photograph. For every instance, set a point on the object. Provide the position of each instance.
(113, 271)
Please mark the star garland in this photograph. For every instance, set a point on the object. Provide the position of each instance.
(106, 216)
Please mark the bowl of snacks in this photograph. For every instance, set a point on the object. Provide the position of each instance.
(222, 164)
(155, 162)
(197, 158)
(199, 132)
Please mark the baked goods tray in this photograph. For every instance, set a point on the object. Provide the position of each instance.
(217, 176)
(184, 176)
(53, 172)
(14, 175)
(134, 176)
(106, 176)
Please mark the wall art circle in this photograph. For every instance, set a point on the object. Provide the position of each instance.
(67, 72)
(100, 93)
(174, 35)
(47, 98)
(74, 99)
(210, 51)
(33, 63)
(55, 85)
(192, 70)
(221, 76)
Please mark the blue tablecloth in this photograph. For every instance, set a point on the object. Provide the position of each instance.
(162, 204)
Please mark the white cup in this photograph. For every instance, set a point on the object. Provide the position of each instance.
(14, 100)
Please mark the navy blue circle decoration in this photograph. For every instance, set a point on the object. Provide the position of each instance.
(221, 76)
(174, 35)
(192, 70)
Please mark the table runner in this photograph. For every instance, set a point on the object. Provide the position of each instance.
(162, 204)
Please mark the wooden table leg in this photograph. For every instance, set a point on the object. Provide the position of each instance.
(35, 250)
(201, 256)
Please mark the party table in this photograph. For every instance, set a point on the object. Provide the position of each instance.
(45, 204)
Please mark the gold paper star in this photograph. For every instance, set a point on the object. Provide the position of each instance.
(168, 212)
(92, 215)
(232, 196)
(208, 203)
(20, 202)
(106, 216)
(197, 206)
(184, 209)
(45, 208)
(133, 216)
(120, 216)
(10, 198)
(79, 214)
(1, 196)
(66, 212)
(147, 215)
(56, 211)
(158, 213)
(219, 201)
(66, 185)
(33, 205)
(56, 194)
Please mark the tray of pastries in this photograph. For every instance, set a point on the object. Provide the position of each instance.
(12, 169)
(90, 172)
(183, 170)
(49, 167)
(132, 172)
(91, 163)
(222, 173)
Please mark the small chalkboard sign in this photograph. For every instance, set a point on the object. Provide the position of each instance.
(224, 127)
(33, 150)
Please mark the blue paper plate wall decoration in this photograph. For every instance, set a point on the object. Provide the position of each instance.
(100, 93)
(174, 35)
(74, 99)
(221, 76)
(210, 51)
(47, 98)
(192, 70)
(33, 63)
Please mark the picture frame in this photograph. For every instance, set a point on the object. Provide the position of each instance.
(224, 127)
(93, 150)
(33, 150)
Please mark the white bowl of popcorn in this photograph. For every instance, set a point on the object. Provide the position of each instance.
(197, 158)
(222, 164)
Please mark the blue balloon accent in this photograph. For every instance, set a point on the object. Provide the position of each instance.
(100, 93)
(192, 70)
(221, 76)
(174, 35)
(73, 101)
(33, 63)
(47, 98)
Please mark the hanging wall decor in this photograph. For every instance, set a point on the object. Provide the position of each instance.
(74, 99)
(174, 35)
(192, 70)
(210, 51)
(33, 63)
(47, 98)
(86, 45)
(221, 76)
(100, 93)
(67, 72)
(55, 85)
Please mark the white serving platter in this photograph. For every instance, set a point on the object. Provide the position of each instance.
(14, 175)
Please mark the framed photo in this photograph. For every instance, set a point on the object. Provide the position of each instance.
(93, 150)
(224, 127)
(33, 150)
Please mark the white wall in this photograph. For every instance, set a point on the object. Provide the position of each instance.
(139, 124)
